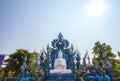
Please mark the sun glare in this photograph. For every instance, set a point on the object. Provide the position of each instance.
(96, 7)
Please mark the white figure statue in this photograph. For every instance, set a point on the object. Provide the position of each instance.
(60, 65)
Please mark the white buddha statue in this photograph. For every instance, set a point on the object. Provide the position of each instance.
(60, 65)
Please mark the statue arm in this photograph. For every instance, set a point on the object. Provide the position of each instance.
(60, 63)
(63, 63)
(55, 63)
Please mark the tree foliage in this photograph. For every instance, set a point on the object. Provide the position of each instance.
(2, 72)
(116, 70)
(15, 61)
(102, 51)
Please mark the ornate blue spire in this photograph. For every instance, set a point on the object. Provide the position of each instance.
(60, 42)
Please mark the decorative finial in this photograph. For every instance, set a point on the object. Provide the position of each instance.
(60, 42)
(60, 35)
(119, 54)
(48, 47)
(72, 48)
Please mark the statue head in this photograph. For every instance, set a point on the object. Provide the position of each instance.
(60, 54)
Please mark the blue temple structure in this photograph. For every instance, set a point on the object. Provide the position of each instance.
(84, 71)
(52, 53)
(80, 71)
(45, 62)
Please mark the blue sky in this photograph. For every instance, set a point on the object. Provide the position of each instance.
(32, 24)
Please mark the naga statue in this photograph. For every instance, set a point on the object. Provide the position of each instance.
(25, 74)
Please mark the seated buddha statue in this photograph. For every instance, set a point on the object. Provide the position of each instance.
(60, 65)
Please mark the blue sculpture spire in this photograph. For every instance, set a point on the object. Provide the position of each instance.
(60, 36)
(60, 42)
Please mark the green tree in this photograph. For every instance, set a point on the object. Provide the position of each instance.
(11, 73)
(2, 72)
(15, 61)
(116, 70)
(103, 51)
